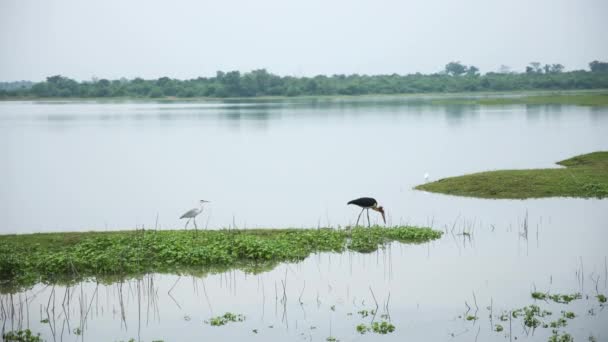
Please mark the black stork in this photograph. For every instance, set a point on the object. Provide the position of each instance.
(367, 203)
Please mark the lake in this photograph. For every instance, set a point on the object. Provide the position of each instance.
(110, 165)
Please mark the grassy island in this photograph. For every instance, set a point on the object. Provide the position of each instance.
(582, 176)
(63, 257)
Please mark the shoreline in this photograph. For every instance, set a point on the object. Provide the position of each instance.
(487, 97)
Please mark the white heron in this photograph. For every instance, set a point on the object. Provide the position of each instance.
(193, 213)
(426, 176)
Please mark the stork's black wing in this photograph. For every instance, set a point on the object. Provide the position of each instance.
(364, 202)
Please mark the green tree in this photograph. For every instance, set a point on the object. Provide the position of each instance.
(455, 68)
(597, 66)
(472, 71)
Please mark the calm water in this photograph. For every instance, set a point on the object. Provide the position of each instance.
(120, 165)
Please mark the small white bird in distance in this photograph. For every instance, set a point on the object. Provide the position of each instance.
(193, 213)
(426, 176)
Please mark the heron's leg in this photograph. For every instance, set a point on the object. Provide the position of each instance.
(357, 224)
(195, 226)
(368, 223)
(186, 226)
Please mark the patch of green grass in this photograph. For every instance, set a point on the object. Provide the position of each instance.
(107, 256)
(561, 98)
(583, 176)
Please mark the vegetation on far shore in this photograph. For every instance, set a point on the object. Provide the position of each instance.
(65, 257)
(456, 77)
(582, 176)
(568, 98)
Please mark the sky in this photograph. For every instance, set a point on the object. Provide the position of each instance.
(83, 39)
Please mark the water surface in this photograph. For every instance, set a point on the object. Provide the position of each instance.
(295, 163)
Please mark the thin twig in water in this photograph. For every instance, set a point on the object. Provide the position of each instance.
(171, 289)
(375, 301)
(510, 327)
(301, 293)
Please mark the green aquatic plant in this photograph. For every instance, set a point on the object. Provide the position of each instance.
(225, 319)
(559, 323)
(471, 318)
(601, 298)
(21, 336)
(558, 298)
(52, 257)
(556, 337)
(331, 339)
(364, 313)
(362, 328)
(569, 314)
(383, 327)
(498, 328)
(531, 315)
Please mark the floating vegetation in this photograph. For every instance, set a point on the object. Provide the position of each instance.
(471, 318)
(569, 314)
(331, 339)
(383, 327)
(364, 313)
(601, 298)
(362, 328)
(225, 319)
(31, 258)
(531, 315)
(557, 337)
(558, 298)
(21, 336)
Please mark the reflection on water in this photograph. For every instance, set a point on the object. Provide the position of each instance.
(266, 163)
(295, 163)
(478, 269)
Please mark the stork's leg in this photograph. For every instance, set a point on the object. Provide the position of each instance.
(368, 223)
(357, 224)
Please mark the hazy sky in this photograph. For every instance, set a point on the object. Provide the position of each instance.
(189, 38)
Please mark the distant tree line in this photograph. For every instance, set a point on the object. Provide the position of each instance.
(17, 85)
(456, 77)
